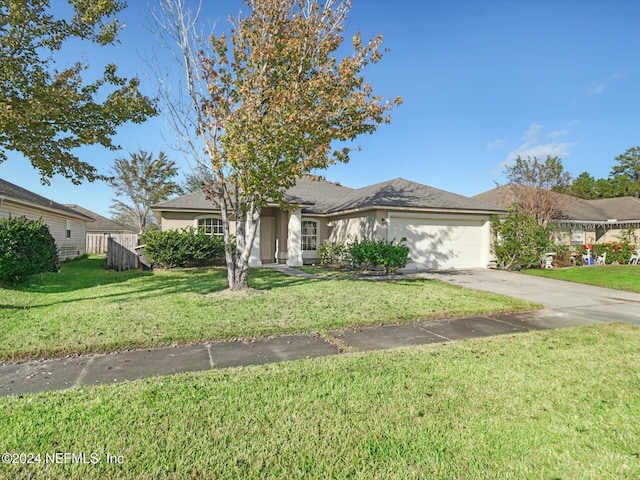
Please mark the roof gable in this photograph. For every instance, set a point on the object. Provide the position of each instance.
(100, 223)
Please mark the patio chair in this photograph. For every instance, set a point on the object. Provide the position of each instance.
(601, 259)
(635, 256)
(586, 258)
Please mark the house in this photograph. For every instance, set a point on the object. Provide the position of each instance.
(583, 221)
(100, 225)
(67, 226)
(442, 230)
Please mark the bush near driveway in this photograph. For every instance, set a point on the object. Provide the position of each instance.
(26, 248)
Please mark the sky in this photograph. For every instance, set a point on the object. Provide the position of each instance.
(482, 81)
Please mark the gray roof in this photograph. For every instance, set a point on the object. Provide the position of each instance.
(620, 209)
(101, 224)
(401, 193)
(24, 196)
(323, 197)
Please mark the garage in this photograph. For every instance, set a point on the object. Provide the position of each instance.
(439, 242)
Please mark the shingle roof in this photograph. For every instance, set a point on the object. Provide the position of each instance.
(572, 208)
(401, 193)
(22, 195)
(323, 197)
(100, 223)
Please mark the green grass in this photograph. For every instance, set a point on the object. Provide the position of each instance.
(88, 309)
(542, 405)
(618, 277)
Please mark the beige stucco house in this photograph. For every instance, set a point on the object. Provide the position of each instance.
(443, 230)
(67, 226)
(583, 221)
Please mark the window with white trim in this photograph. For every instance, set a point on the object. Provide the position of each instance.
(68, 228)
(210, 226)
(309, 235)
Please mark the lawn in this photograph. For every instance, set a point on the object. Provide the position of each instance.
(88, 309)
(549, 404)
(618, 277)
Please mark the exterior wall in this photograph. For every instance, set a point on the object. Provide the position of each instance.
(354, 227)
(178, 220)
(67, 247)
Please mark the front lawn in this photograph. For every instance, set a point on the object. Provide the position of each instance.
(88, 309)
(618, 277)
(541, 405)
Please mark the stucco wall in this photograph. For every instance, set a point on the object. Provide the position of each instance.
(67, 247)
(177, 220)
(354, 227)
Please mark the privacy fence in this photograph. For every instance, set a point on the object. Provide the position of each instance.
(121, 257)
(98, 242)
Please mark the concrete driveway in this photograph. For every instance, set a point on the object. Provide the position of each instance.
(565, 303)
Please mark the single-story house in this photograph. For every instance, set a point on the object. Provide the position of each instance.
(443, 230)
(67, 226)
(583, 221)
(100, 225)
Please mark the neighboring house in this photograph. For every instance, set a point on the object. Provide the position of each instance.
(443, 230)
(101, 225)
(584, 221)
(67, 226)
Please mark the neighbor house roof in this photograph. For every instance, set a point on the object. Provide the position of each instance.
(577, 210)
(100, 224)
(323, 197)
(22, 196)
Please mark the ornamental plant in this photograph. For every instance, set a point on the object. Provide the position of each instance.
(26, 248)
(183, 248)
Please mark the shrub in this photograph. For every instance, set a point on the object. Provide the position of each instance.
(335, 254)
(616, 251)
(380, 253)
(519, 240)
(183, 248)
(26, 248)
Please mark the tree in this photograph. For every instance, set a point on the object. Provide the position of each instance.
(583, 186)
(267, 102)
(536, 185)
(199, 178)
(628, 171)
(45, 113)
(141, 181)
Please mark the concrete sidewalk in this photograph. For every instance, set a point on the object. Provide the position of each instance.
(566, 305)
(114, 367)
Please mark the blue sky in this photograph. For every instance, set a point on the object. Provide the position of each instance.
(482, 81)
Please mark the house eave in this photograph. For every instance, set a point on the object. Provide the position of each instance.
(414, 210)
(597, 223)
(53, 210)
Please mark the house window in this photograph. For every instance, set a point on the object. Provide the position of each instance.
(68, 229)
(309, 235)
(577, 237)
(210, 226)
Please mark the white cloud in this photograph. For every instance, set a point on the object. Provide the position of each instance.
(596, 89)
(499, 142)
(600, 86)
(534, 146)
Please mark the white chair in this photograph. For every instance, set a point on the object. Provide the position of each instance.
(635, 256)
(586, 258)
(601, 259)
(548, 261)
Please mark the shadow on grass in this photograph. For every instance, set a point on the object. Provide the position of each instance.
(136, 285)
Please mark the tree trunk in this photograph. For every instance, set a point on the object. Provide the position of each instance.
(238, 260)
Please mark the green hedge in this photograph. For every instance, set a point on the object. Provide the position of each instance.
(367, 254)
(183, 248)
(26, 248)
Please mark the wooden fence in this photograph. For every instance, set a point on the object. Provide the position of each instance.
(97, 242)
(120, 257)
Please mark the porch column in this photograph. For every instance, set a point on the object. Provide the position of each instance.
(294, 239)
(254, 257)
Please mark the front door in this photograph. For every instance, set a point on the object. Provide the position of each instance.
(267, 240)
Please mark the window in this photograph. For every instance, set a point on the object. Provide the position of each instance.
(309, 235)
(68, 229)
(577, 237)
(210, 226)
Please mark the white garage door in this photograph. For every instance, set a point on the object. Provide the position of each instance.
(441, 243)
